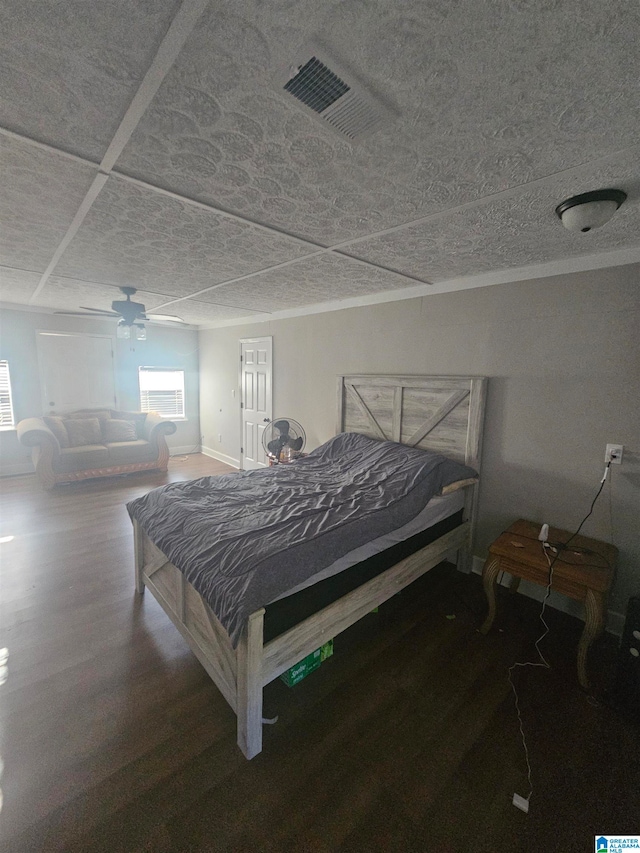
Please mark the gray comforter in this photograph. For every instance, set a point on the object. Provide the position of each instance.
(243, 539)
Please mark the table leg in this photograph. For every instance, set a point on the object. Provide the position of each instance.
(594, 622)
(489, 575)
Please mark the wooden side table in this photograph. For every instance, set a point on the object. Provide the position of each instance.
(583, 571)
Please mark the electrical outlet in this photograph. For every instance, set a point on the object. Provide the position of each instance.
(219, 438)
(613, 454)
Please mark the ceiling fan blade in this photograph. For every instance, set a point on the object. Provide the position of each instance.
(100, 311)
(87, 313)
(169, 317)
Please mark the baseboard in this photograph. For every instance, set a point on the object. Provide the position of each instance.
(221, 457)
(16, 468)
(184, 451)
(614, 622)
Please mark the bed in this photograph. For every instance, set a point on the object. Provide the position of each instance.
(438, 413)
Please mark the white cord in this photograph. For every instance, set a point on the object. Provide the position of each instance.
(520, 802)
(544, 663)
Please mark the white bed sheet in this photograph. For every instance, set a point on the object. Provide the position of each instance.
(438, 508)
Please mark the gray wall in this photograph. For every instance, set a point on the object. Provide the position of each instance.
(562, 358)
(164, 347)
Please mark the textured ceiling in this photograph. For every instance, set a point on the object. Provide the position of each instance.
(228, 191)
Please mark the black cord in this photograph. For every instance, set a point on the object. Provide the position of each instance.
(563, 545)
(593, 503)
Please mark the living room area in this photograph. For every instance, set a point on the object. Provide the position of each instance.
(61, 363)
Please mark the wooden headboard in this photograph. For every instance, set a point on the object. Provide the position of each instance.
(439, 413)
(444, 414)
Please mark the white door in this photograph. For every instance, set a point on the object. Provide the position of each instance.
(256, 356)
(76, 371)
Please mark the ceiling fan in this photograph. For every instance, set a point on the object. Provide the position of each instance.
(129, 314)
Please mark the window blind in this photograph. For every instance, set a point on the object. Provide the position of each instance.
(162, 391)
(6, 403)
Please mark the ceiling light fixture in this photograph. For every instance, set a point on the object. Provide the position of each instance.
(126, 331)
(123, 330)
(589, 210)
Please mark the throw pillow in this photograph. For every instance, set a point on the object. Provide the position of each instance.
(137, 418)
(57, 427)
(83, 431)
(117, 430)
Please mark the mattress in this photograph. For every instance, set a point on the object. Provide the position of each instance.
(438, 508)
(288, 612)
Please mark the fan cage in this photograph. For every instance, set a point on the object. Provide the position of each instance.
(283, 440)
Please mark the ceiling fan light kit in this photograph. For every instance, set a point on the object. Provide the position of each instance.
(124, 331)
(589, 210)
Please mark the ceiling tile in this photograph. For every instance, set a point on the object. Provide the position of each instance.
(193, 311)
(17, 285)
(490, 95)
(321, 279)
(41, 192)
(69, 70)
(515, 230)
(134, 236)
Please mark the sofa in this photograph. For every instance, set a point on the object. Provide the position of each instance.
(95, 443)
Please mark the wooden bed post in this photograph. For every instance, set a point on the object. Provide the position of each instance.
(464, 556)
(249, 705)
(473, 457)
(138, 549)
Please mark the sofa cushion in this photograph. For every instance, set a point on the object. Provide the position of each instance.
(117, 430)
(83, 458)
(126, 452)
(83, 431)
(57, 427)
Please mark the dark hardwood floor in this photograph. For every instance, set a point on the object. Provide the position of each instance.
(114, 739)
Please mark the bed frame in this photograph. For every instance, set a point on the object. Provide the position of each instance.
(439, 413)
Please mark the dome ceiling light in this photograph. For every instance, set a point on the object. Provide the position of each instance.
(589, 210)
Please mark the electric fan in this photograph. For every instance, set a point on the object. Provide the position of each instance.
(283, 440)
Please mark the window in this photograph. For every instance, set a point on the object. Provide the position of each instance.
(6, 404)
(162, 391)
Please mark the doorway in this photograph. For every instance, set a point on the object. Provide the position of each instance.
(256, 399)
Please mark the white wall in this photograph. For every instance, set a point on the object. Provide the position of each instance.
(562, 357)
(164, 347)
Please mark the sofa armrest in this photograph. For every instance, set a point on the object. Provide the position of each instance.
(33, 432)
(155, 426)
(45, 448)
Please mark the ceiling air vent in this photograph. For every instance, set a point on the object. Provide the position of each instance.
(335, 95)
